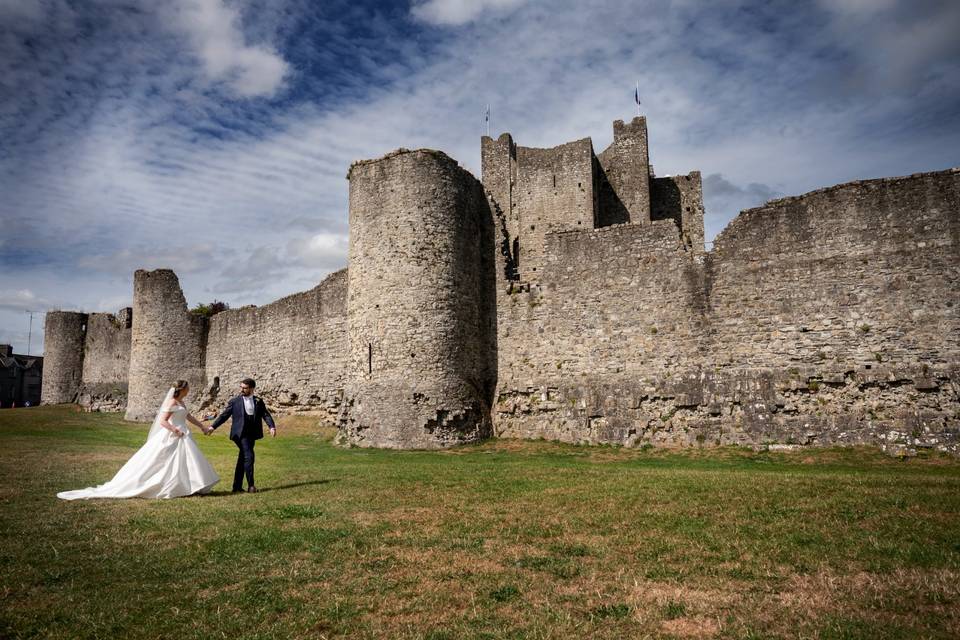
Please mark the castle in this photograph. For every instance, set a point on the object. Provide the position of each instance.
(569, 297)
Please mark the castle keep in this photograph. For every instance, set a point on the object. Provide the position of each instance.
(569, 296)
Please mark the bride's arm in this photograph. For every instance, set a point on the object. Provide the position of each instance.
(165, 414)
(196, 422)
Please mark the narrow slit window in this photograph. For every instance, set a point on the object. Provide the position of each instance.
(369, 358)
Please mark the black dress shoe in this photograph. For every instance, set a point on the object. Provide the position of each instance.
(237, 490)
(252, 489)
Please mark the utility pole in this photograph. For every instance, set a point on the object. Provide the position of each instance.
(30, 332)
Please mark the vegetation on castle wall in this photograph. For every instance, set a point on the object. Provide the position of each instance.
(210, 309)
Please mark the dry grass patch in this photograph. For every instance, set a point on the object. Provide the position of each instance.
(695, 627)
(305, 424)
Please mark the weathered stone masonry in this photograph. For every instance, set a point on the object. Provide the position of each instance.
(295, 348)
(64, 336)
(574, 301)
(168, 342)
(91, 356)
(828, 318)
(421, 310)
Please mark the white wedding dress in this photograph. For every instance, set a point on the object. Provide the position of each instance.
(166, 466)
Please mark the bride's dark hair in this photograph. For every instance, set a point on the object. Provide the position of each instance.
(178, 387)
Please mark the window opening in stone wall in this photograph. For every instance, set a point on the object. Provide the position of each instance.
(554, 181)
(516, 253)
(369, 358)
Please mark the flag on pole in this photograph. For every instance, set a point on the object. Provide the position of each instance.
(636, 97)
(487, 119)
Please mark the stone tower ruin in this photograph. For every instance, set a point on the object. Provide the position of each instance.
(421, 304)
(65, 334)
(168, 342)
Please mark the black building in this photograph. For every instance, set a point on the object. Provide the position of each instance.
(20, 378)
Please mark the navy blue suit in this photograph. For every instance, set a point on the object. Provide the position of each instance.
(245, 430)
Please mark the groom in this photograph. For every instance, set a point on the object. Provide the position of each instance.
(248, 414)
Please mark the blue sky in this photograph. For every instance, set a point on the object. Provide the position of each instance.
(214, 137)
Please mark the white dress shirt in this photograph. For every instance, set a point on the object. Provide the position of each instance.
(248, 404)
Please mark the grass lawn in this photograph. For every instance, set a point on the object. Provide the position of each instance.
(501, 540)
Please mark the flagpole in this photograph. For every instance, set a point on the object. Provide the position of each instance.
(488, 120)
(637, 94)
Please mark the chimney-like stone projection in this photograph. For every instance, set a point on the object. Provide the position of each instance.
(421, 304)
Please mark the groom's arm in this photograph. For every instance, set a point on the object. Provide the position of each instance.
(267, 417)
(223, 416)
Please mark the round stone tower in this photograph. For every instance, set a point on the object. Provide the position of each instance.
(64, 335)
(421, 310)
(167, 343)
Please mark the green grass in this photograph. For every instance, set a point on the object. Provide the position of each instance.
(501, 540)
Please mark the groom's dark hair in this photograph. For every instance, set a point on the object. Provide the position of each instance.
(250, 382)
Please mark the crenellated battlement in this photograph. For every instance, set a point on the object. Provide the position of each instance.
(543, 191)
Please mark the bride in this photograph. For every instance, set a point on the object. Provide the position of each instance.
(169, 465)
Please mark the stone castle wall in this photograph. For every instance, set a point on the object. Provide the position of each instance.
(614, 304)
(574, 301)
(828, 318)
(64, 337)
(106, 357)
(167, 343)
(857, 274)
(420, 309)
(295, 349)
(106, 361)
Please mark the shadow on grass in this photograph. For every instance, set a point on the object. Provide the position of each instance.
(282, 487)
(295, 485)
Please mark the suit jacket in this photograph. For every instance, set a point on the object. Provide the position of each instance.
(242, 424)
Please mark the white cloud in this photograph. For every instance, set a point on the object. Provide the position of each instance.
(169, 251)
(899, 42)
(213, 30)
(868, 7)
(25, 14)
(22, 300)
(327, 243)
(113, 304)
(146, 167)
(458, 12)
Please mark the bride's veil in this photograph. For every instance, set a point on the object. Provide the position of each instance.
(155, 427)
